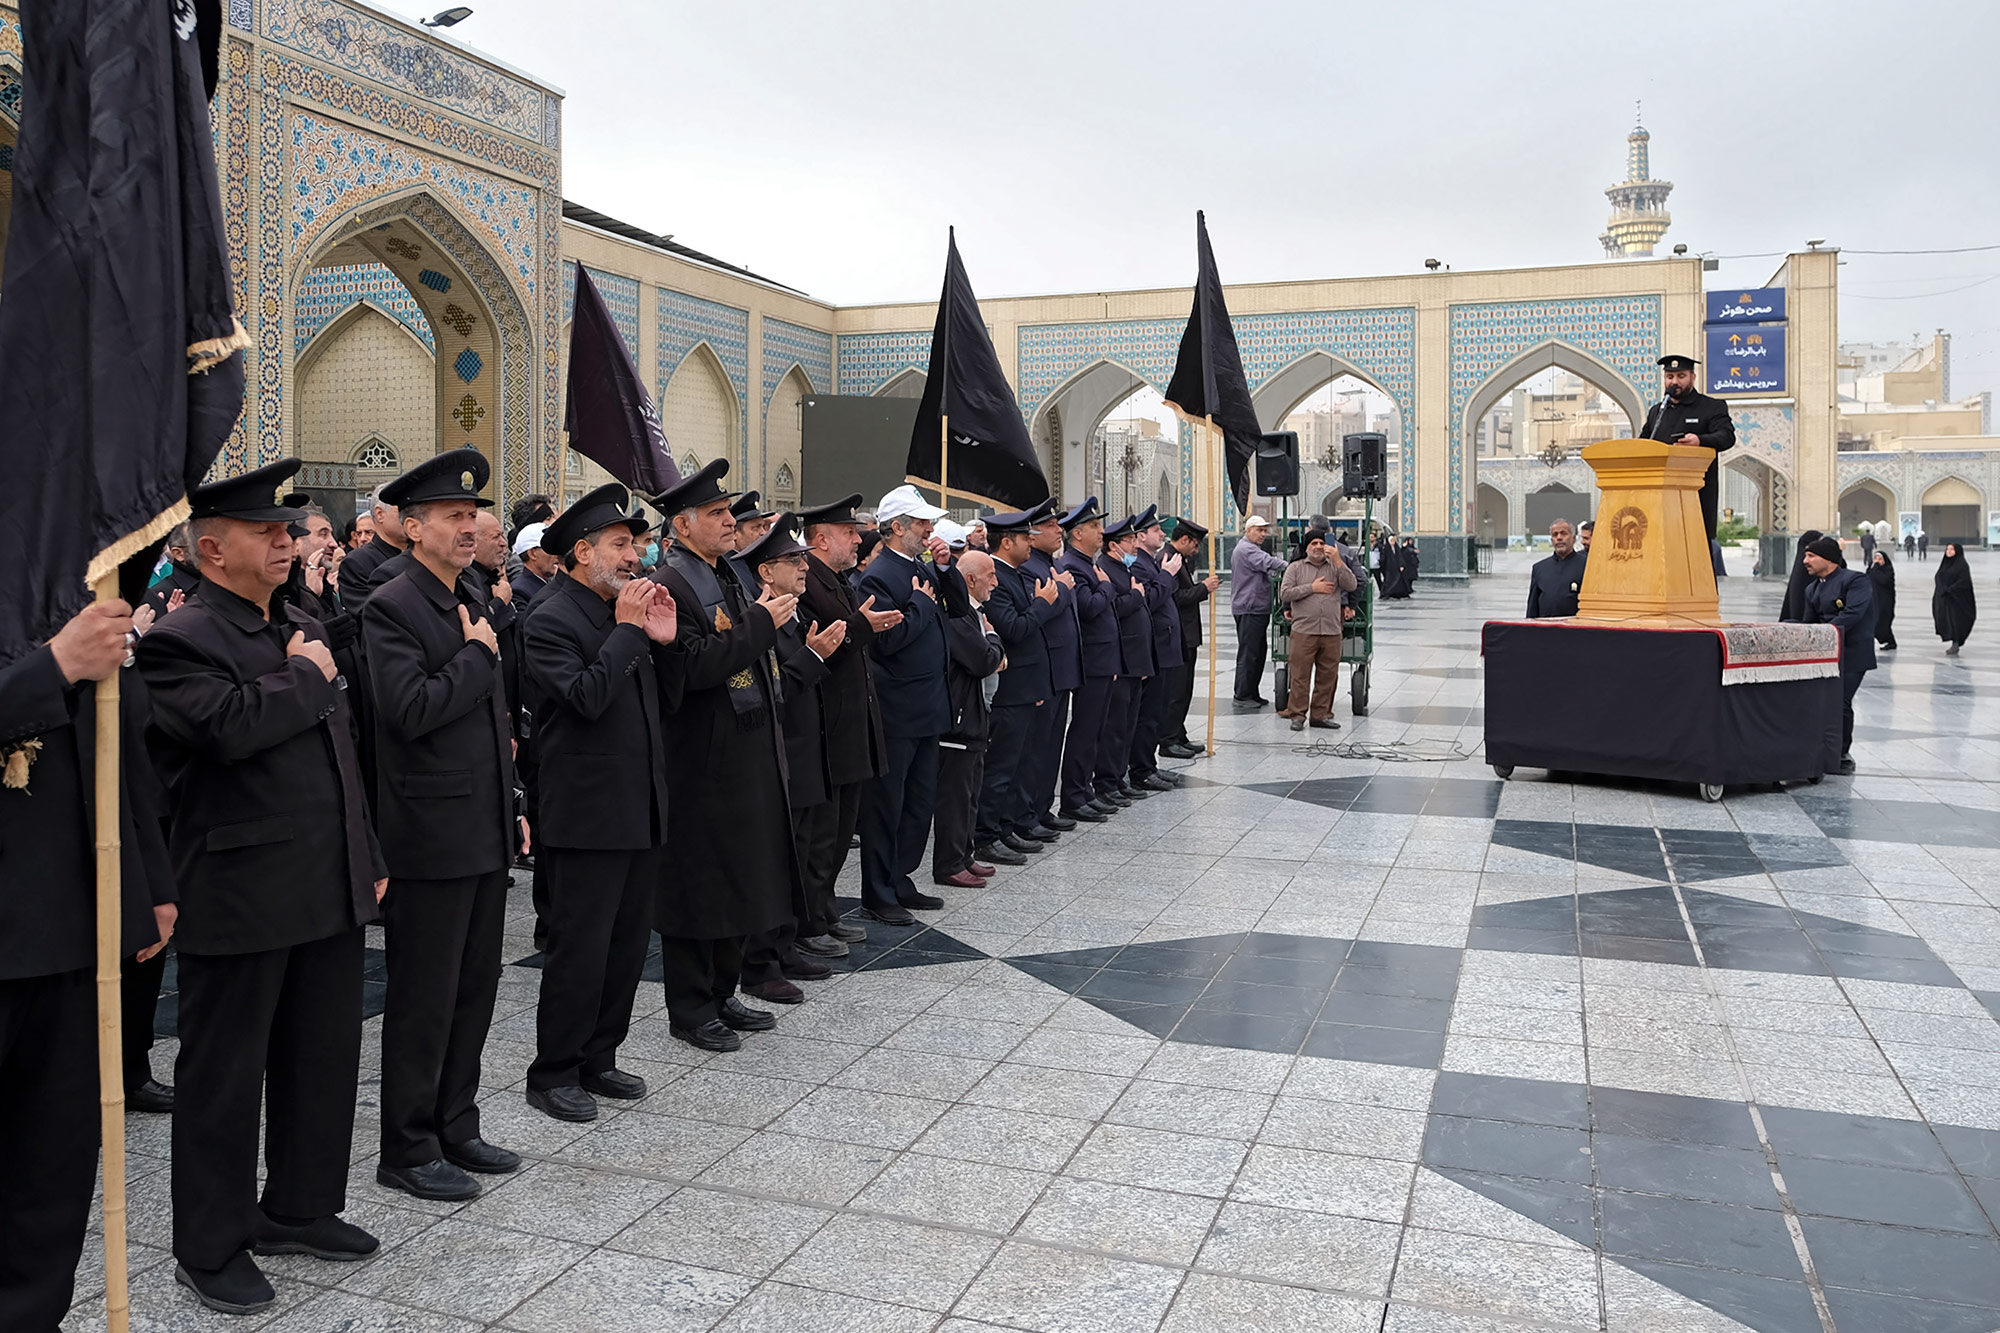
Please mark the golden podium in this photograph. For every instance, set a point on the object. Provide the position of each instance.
(1650, 556)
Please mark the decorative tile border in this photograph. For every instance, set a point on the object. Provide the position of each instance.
(786, 344)
(870, 360)
(686, 321)
(355, 41)
(325, 294)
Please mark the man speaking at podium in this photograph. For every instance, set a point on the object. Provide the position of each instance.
(1685, 416)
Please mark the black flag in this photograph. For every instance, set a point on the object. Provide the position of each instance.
(992, 459)
(610, 416)
(1208, 377)
(119, 379)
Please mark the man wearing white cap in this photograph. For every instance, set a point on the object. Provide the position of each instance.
(1251, 569)
(537, 565)
(909, 667)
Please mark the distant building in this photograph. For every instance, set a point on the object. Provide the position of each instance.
(1639, 216)
(1909, 454)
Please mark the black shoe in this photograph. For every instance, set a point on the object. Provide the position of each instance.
(889, 916)
(823, 946)
(801, 968)
(1176, 778)
(569, 1103)
(1846, 764)
(710, 1036)
(999, 854)
(1116, 800)
(476, 1154)
(1184, 750)
(615, 1084)
(1326, 724)
(1132, 793)
(776, 991)
(1083, 814)
(740, 1017)
(1025, 846)
(1103, 806)
(432, 1180)
(1249, 705)
(322, 1238)
(1038, 834)
(150, 1096)
(1059, 823)
(238, 1287)
(923, 902)
(1154, 782)
(848, 932)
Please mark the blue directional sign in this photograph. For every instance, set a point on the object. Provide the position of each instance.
(1760, 305)
(1746, 359)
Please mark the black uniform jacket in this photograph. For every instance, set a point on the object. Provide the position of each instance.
(506, 615)
(850, 717)
(366, 570)
(803, 677)
(597, 730)
(1708, 420)
(1845, 598)
(1135, 624)
(444, 779)
(48, 828)
(270, 837)
(1160, 606)
(1554, 585)
(1189, 593)
(1096, 614)
(1060, 629)
(1012, 610)
(183, 579)
(909, 659)
(975, 655)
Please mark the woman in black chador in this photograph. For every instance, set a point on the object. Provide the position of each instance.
(1794, 605)
(1882, 573)
(1951, 604)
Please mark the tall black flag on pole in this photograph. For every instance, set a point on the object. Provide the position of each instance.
(1208, 383)
(969, 418)
(119, 379)
(610, 417)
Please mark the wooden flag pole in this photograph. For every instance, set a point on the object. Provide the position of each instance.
(1214, 567)
(110, 1046)
(944, 461)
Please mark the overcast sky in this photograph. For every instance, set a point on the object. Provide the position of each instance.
(827, 145)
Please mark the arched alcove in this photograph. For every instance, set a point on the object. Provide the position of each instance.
(698, 411)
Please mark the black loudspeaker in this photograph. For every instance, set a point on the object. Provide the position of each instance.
(1278, 463)
(1365, 464)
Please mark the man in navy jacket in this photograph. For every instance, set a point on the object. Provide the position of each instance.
(909, 666)
(1844, 597)
(1097, 643)
(1062, 632)
(1017, 610)
(1144, 770)
(1135, 653)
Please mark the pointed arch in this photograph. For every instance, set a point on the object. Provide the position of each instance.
(1551, 352)
(784, 432)
(330, 333)
(1280, 393)
(698, 407)
(906, 383)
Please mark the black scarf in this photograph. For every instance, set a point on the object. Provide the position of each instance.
(721, 595)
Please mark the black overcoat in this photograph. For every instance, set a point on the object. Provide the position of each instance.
(1707, 419)
(1190, 591)
(269, 831)
(802, 681)
(363, 572)
(1555, 584)
(444, 768)
(48, 828)
(850, 716)
(603, 784)
(732, 868)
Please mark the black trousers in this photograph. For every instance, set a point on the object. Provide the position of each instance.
(821, 833)
(280, 1029)
(139, 997)
(961, 773)
(600, 926)
(1114, 741)
(896, 812)
(444, 969)
(1045, 747)
(1150, 717)
(1850, 681)
(1086, 723)
(1253, 640)
(1003, 792)
(530, 770)
(700, 975)
(48, 1112)
(1180, 698)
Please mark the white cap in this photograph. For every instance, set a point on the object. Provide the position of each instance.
(529, 538)
(904, 502)
(950, 533)
(1256, 521)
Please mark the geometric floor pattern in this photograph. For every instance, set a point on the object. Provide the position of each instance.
(1314, 1042)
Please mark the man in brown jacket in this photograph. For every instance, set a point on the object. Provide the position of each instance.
(1310, 595)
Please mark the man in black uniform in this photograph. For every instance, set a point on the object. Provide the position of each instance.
(278, 872)
(1135, 653)
(1062, 632)
(1556, 580)
(1016, 610)
(445, 808)
(602, 838)
(1097, 643)
(1845, 597)
(1150, 538)
(48, 1002)
(1685, 416)
(850, 721)
(734, 870)
(1189, 594)
(368, 568)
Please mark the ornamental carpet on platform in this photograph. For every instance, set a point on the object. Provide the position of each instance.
(1313, 1043)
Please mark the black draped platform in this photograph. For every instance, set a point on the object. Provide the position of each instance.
(1648, 703)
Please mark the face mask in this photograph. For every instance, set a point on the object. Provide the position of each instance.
(1129, 557)
(649, 555)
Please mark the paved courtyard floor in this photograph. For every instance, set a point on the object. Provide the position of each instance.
(1312, 1043)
